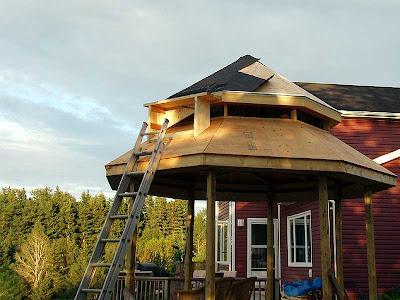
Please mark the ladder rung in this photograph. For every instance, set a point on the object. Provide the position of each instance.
(128, 194)
(110, 240)
(119, 217)
(136, 173)
(100, 265)
(144, 153)
(92, 290)
(152, 132)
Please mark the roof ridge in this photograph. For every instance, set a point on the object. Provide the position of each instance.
(345, 84)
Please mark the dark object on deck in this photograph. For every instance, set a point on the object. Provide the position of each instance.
(223, 288)
(242, 289)
(157, 270)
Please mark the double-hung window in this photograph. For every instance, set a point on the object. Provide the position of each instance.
(299, 240)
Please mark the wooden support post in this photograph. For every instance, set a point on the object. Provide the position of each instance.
(293, 114)
(210, 239)
(188, 266)
(270, 248)
(339, 236)
(131, 255)
(369, 225)
(324, 232)
(201, 115)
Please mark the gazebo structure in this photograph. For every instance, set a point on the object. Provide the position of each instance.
(245, 133)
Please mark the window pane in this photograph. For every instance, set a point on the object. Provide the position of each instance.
(219, 242)
(291, 234)
(308, 220)
(300, 254)
(258, 234)
(225, 235)
(300, 234)
(259, 259)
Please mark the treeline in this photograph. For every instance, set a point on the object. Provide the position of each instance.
(47, 237)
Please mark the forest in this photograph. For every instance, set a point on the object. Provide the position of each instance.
(47, 237)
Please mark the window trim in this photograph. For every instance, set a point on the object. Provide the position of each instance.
(226, 223)
(307, 240)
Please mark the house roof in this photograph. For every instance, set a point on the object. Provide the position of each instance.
(356, 98)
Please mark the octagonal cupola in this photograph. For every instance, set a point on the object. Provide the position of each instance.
(245, 88)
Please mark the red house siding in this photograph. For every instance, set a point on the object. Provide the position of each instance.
(372, 138)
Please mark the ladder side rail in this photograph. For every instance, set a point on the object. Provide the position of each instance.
(124, 183)
(134, 215)
(105, 231)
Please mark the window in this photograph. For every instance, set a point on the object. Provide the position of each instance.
(299, 240)
(222, 241)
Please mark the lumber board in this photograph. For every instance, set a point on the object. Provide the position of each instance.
(210, 239)
(338, 290)
(369, 226)
(188, 266)
(324, 233)
(339, 235)
(131, 254)
(270, 248)
(201, 115)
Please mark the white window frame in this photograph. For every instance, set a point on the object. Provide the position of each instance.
(307, 240)
(217, 223)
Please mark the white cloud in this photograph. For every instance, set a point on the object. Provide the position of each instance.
(28, 89)
(16, 136)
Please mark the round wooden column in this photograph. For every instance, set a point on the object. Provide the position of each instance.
(270, 248)
(188, 272)
(210, 239)
(369, 226)
(324, 232)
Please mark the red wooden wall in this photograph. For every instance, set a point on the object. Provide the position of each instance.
(373, 138)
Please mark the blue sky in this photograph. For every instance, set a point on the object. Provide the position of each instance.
(74, 74)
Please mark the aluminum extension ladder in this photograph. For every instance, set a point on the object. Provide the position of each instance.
(132, 218)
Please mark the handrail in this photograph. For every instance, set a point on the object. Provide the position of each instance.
(165, 288)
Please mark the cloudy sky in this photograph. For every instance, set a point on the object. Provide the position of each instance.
(74, 74)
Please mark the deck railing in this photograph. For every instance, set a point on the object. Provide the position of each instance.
(165, 288)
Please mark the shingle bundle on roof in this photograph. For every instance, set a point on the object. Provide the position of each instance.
(228, 78)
